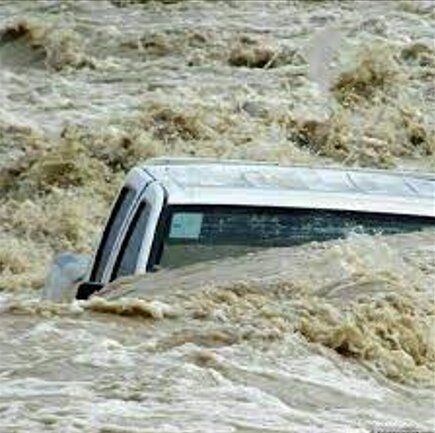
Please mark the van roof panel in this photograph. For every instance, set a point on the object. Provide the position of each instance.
(233, 182)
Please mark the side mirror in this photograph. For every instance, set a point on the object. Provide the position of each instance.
(88, 288)
(66, 271)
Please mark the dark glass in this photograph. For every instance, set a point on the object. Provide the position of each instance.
(200, 233)
(120, 210)
(131, 246)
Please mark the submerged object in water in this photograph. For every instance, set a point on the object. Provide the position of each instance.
(174, 212)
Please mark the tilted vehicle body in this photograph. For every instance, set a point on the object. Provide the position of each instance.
(175, 212)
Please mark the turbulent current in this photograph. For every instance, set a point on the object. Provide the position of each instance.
(326, 337)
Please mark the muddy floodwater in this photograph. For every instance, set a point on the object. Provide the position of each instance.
(332, 337)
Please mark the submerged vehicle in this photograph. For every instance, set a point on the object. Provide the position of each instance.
(175, 212)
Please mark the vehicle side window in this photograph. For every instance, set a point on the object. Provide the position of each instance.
(200, 233)
(129, 253)
(123, 203)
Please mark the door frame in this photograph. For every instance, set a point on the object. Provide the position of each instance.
(153, 195)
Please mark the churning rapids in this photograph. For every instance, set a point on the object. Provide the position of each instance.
(332, 337)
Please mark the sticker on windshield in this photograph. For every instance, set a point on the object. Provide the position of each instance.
(186, 225)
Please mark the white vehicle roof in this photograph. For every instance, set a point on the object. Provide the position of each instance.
(218, 182)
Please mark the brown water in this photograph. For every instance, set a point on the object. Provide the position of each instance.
(338, 337)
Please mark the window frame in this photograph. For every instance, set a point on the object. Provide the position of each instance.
(137, 180)
(155, 197)
(98, 268)
(143, 209)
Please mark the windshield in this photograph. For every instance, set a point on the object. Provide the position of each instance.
(199, 233)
